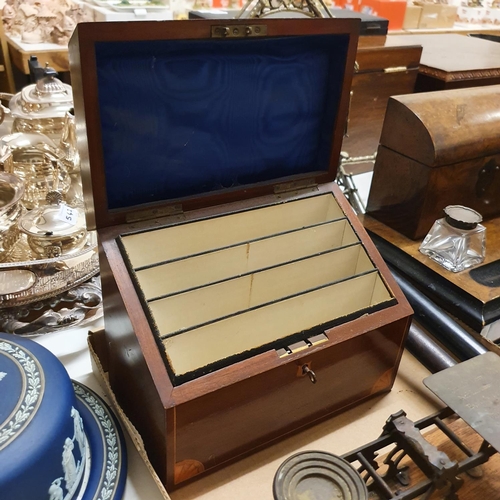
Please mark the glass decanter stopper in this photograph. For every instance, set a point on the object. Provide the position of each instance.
(457, 241)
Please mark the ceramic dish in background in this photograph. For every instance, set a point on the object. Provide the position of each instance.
(58, 439)
(108, 470)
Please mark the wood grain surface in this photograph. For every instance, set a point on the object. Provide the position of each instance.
(462, 280)
(382, 73)
(451, 53)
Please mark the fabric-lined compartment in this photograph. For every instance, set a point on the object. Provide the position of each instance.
(212, 343)
(209, 303)
(174, 242)
(184, 274)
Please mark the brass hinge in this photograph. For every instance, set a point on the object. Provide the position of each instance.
(154, 213)
(302, 345)
(395, 69)
(239, 31)
(285, 187)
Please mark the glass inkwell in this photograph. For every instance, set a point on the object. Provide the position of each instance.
(457, 241)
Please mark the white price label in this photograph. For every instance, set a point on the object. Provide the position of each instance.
(67, 214)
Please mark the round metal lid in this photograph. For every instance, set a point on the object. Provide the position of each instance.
(47, 222)
(317, 475)
(48, 98)
(462, 217)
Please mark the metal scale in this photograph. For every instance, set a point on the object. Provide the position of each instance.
(471, 391)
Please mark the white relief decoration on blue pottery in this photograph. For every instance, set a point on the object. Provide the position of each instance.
(111, 445)
(64, 487)
(55, 491)
(30, 396)
(2, 375)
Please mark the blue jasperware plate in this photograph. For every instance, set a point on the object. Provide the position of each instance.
(108, 468)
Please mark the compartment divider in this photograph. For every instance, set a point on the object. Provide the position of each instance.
(225, 339)
(333, 250)
(255, 240)
(191, 272)
(290, 268)
(146, 247)
(267, 304)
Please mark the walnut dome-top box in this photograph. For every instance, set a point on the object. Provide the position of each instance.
(437, 149)
(242, 297)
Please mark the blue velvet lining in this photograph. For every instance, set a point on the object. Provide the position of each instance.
(180, 118)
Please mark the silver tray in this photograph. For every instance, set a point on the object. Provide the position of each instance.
(24, 279)
(79, 306)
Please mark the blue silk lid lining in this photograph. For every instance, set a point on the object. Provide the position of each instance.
(185, 117)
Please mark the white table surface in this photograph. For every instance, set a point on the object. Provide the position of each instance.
(251, 478)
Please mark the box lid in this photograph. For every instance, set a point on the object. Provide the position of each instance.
(179, 115)
(445, 127)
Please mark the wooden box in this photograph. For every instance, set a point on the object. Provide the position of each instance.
(453, 61)
(381, 73)
(242, 298)
(437, 149)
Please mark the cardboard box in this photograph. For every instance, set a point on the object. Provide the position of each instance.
(412, 17)
(437, 16)
(393, 10)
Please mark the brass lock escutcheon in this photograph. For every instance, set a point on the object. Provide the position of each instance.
(239, 31)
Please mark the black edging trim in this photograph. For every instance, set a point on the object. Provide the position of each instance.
(267, 304)
(187, 377)
(268, 268)
(277, 344)
(145, 308)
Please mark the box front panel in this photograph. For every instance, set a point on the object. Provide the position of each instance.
(222, 425)
(409, 197)
(398, 190)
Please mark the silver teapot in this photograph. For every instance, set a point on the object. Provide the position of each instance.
(41, 106)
